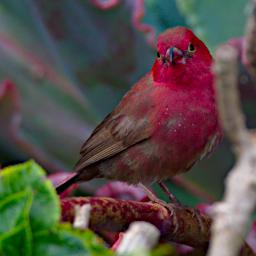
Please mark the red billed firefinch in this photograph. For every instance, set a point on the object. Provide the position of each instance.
(163, 125)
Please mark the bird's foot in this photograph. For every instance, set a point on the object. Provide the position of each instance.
(172, 207)
(196, 214)
(169, 206)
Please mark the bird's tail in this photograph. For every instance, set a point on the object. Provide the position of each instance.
(82, 175)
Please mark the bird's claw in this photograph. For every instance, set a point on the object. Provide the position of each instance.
(171, 209)
(196, 214)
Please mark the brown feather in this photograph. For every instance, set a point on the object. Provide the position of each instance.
(112, 137)
(118, 131)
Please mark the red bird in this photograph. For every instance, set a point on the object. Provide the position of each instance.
(165, 124)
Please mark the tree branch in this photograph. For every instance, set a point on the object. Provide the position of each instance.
(226, 81)
(116, 215)
(232, 214)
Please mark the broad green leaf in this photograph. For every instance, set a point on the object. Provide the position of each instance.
(15, 232)
(58, 243)
(13, 210)
(66, 241)
(30, 213)
(93, 243)
(18, 242)
(45, 210)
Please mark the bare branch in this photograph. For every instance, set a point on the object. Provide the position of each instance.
(233, 213)
(116, 215)
(180, 226)
(226, 81)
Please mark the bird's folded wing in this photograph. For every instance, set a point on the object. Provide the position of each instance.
(116, 133)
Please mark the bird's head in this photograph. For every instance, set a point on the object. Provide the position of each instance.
(180, 56)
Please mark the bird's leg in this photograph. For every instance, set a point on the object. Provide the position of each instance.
(171, 196)
(153, 198)
(195, 212)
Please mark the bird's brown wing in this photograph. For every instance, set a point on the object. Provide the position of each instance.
(126, 126)
(116, 133)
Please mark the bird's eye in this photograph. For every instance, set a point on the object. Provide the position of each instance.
(191, 48)
(158, 55)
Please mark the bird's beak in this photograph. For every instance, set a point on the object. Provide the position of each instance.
(176, 55)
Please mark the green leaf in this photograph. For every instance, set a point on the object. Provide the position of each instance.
(45, 210)
(14, 209)
(164, 250)
(58, 243)
(18, 242)
(93, 243)
(15, 233)
(30, 213)
(215, 21)
(67, 241)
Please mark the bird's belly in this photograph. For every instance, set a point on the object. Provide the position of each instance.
(143, 163)
(164, 155)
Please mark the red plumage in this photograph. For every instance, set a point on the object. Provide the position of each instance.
(164, 124)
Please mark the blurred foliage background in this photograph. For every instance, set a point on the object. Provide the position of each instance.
(65, 64)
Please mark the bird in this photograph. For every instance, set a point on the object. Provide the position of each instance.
(163, 125)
